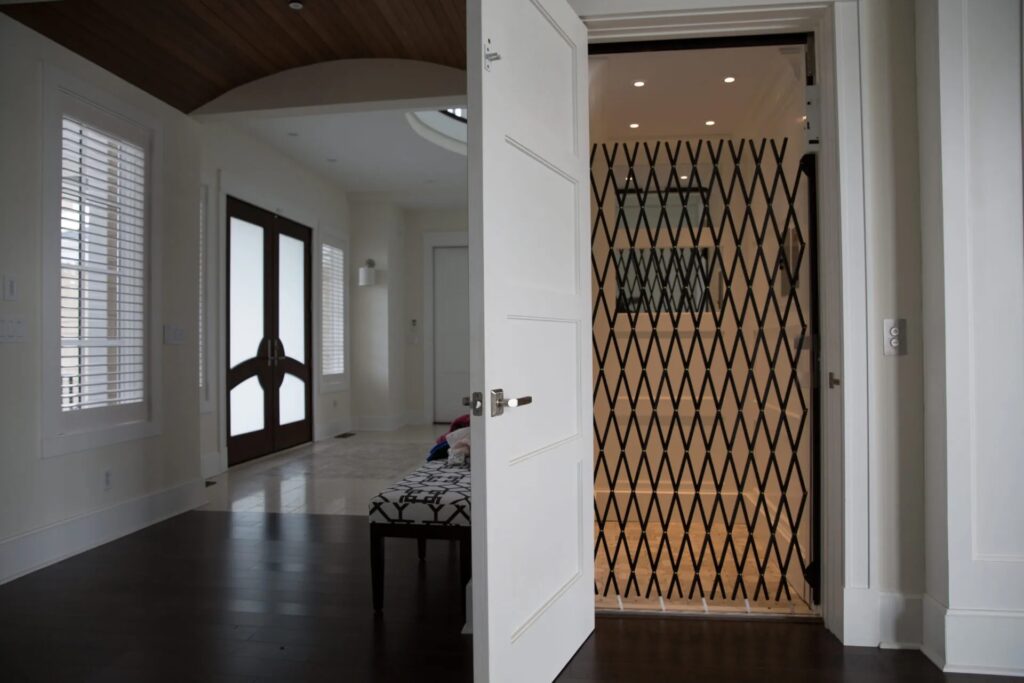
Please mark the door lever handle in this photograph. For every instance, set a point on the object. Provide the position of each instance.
(499, 402)
(833, 381)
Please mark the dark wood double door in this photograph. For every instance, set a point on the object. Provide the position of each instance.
(269, 348)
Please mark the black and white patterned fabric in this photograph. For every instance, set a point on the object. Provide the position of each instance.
(438, 493)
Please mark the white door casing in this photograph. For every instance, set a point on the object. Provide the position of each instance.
(530, 332)
(451, 331)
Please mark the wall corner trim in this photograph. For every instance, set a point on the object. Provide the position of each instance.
(23, 554)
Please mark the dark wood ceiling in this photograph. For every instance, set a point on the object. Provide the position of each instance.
(188, 52)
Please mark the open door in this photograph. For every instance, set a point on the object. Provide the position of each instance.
(529, 240)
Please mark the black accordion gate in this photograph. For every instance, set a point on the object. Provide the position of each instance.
(704, 366)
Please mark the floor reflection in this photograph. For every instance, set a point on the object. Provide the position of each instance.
(337, 476)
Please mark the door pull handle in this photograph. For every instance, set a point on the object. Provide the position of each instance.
(499, 402)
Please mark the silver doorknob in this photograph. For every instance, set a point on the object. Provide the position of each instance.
(499, 402)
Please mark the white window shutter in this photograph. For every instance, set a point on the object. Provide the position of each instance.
(102, 269)
(332, 275)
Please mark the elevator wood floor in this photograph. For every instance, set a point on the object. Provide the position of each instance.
(218, 596)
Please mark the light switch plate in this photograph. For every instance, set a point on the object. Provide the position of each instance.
(894, 336)
(12, 330)
(10, 284)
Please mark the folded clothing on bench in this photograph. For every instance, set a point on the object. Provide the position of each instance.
(437, 493)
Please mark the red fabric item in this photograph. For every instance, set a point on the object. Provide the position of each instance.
(458, 423)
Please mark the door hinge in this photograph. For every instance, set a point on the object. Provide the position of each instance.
(489, 55)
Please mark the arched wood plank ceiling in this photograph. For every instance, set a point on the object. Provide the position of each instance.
(187, 52)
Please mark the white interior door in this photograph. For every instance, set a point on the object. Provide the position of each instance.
(451, 331)
(533, 592)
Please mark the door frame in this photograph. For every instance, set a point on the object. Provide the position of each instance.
(235, 184)
(850, 593)
(431, 241)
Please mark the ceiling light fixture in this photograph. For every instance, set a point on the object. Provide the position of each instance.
(295, 5)
(331, 160)
(638, 84)
(292, 134)
(730, 79)
(634, 125)
(709, 123)
(683, 177)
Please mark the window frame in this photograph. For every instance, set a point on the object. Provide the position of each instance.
(334, 382)
(65, 432)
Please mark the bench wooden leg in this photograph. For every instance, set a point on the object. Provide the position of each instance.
(421, 548)
(377, 566)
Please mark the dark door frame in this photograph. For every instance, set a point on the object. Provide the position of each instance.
(269, 365)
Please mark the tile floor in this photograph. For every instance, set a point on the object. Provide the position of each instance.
(336, 476)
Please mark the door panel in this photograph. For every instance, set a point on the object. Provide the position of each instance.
(292, 364)
(269, 346)
(530, 307)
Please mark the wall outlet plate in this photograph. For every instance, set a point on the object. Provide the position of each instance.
(894, 336)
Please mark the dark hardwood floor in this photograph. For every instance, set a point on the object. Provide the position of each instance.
(214, 596)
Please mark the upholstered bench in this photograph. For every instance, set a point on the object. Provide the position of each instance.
(431, 502)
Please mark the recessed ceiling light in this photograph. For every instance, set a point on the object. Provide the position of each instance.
(296, 5)
(634, 125)
(709, 123)
(638, 84)
(683, 177)
(730, 79)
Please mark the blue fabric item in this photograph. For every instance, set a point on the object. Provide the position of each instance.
(438, 452)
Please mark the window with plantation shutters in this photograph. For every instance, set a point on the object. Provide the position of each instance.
(102, 331)
(332, 273)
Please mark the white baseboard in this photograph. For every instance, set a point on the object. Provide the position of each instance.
(34, 550)
(985, 642)
(860, 617)
(332, 429)
(899, 621)
(417, 419)
(933, 630)
(211, 464)
(974, 641)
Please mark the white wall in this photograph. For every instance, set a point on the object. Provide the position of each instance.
(969, 59)
(388, 351)
(419, 222)
(55, 506)
(234, 163)
(377, 310)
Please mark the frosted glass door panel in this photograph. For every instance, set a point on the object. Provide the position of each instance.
(292, 406)
(247, 407)
(292, 297)
(246, 287)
